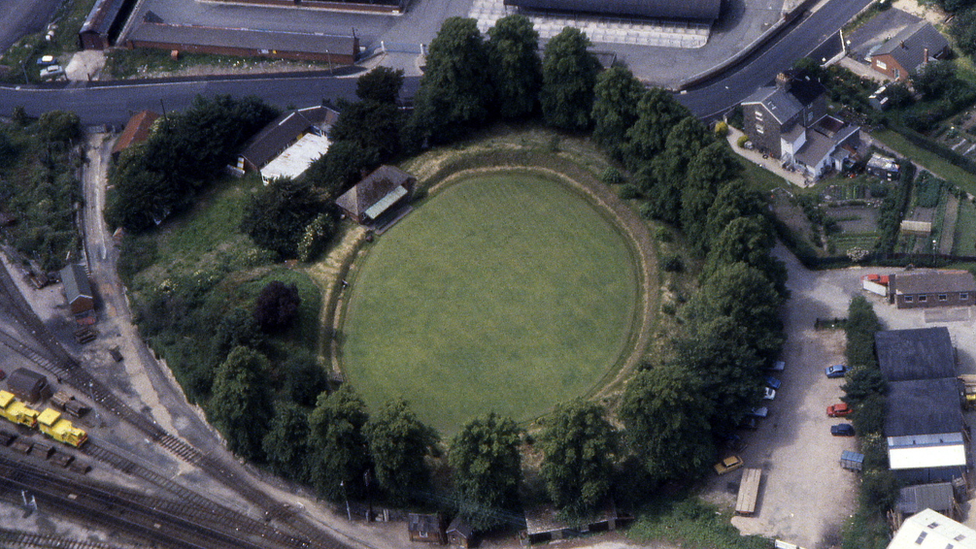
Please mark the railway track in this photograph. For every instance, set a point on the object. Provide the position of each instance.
(15, 538)
(53, 358)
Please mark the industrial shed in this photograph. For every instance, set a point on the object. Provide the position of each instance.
(937, 496)
(77, 290)
(924, 428)
(307, 46)
(930, 530)
(924, 353)
(289, 144)
(103, 23)
(697, 10)
(426, 528)
(28, 386)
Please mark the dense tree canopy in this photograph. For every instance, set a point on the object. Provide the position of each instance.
(338, 454)
(516, 70)
(344, 164)
(381, 85)
(657, 113)
(667, 411)
(370, 126)
(963, 29)
(399, 443)
(580, 447)
(286, 443)
(59, 127)
(616, 96)
(277, 215)
(455, 91)
(568, 77)
(713, 166)
(276, 307)
(734, 199)
(487, 470)
(241, 406)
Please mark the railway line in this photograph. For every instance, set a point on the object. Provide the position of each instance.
(51, 356)
(16, 539)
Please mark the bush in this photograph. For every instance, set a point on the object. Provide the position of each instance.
(277, 306)
(611, 176)
(672, 263)
(742, 140)
(628, 192)
(721, 128)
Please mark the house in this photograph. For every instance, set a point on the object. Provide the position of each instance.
(308, 46)
(459, 533)
(882, 167)
(696, 10)
(789, 121)
(909, 50)
(428, 528)
(28, 386)
(136, 131)
(926, 289)
(77, 289)
(930, 530)
(378, 196)
(289, 144)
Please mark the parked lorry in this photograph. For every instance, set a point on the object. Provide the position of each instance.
(876, 284)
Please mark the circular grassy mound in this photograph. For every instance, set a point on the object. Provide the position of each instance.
(506, 293)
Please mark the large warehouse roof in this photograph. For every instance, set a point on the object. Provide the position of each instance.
(923, 407)
(924, 353)
(702, 10)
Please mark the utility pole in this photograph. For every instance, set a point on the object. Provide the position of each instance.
(345, 496)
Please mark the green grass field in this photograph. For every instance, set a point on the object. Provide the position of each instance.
(965, 236)
(505, 293)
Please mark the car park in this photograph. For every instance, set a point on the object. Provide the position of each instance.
(842, 430)
(838, 410)
(728, 465)
(773, 382)
(52, 71)
(769, 393)
(837, 370)
(777, 366)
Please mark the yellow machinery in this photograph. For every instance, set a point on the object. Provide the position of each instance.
(53, 425)
(969, 389)
(16, 411)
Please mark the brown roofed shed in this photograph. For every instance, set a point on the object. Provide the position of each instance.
(378, 193)
(136, 131)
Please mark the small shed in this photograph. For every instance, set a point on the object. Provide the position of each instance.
(379, 195)
(459, 533)
(77, 289)
(937, 496)
(917, 228)
(852, 461)
(428, 528)
(882, 167)
(136, 131)
(28, 386)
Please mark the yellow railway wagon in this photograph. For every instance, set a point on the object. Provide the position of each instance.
(16, 411)
(53, 425)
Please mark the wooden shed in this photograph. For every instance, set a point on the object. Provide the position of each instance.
(379, 195)
(459, 533)
(28, 386)
(428, 528)
(77, 289)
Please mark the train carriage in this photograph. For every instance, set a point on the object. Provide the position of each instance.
(53, 425)
(16, 411)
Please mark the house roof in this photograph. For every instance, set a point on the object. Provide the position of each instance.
(820, 146)
(372, 190)
(294, 160)
(102, 15)
(75, 281)
(926, 451)
(251, 39)
(933, 282)
(923, 407)
(931, 530)
(136, 130)
(780, 103)
(461, 527)
(704, 10)
(417, 522)
(913, 499)
(285, 130)
(922, 353)
(908, 46)
(804, 88)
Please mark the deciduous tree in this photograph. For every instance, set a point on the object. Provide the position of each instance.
(340, 168)
(568, 76)
(338, 453)
(276, 307)
(286, 443)
(277, 214)
(713, 165)
(516, 70)
(399, 442)
(657, 114)
(617, 95)
(370, 125)
(241, 405)
(381, 85)
(487, 470)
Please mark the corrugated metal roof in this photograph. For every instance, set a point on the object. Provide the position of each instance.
(913, 499)
(923, 407)
(102, 16)
(258, 40)
(703, 10)
(926, 457)
(294, 160)
(931, 282)
(923, 353)
(372, 189)
(283, 131)
(75, 282)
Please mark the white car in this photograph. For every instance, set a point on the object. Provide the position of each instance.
(47, 60)
(52, 71)
(770, 394)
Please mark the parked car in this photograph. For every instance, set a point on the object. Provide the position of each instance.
(46, 60)
(838, 410)
(749, 423)
(769, 394)
(773, 382)
(3, 375)
(837, 370)
(728, 465)
(842, 430)
(762, 411)
(777, 366)
(52, 71)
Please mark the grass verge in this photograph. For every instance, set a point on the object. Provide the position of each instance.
(691, 523)
(928, 160)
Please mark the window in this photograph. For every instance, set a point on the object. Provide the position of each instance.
(881, 64)
(963, 296)
(923, 298)
(933, 526)
(908, 299)
(759, 129)
(897, 74)
(960, 537)
(943, 297)
(921, 538)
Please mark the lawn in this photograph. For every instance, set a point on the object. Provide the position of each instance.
(965, 238)
(506, 293)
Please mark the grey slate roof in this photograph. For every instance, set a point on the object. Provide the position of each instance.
(461, 527)
(933, 282)
(372, 189)
(102, 16)
(75, 281)
(819, 145)
(908, 46)
(703, 10)
(913, 499)
(780, 103)
(258, 40)
(923, 353)
(283, 131)
(923, 407)
(417, 522)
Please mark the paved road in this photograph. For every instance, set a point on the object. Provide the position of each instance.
(22, 17)
(733, 87)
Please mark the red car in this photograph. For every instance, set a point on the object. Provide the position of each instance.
(3, 375)
(838, 410)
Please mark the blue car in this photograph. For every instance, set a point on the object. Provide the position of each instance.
(842, 430)
(837, 370)
(773, 382)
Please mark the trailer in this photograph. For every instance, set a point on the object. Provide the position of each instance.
(745, 503)
(876, 284)
(852, 461)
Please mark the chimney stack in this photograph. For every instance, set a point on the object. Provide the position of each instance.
(925, 56)
(783, 81)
